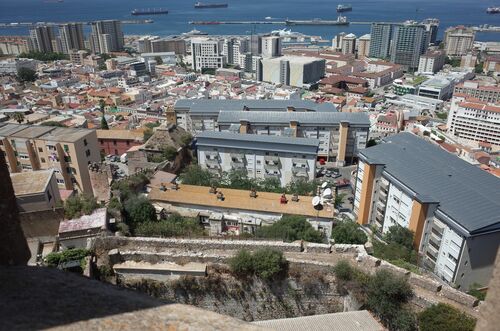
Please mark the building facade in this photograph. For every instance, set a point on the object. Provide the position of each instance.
(380, 40)
(431, 62)
(293, 70)
(42, 37)
(260, 157)
(206, 54)
(72, 37)
(458, 40)
(364, 46)
(117, 142)
(409, 41)
(450, 205)
(106, 36)
(68, 151)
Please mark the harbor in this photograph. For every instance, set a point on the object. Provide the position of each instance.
(33, 24)
(268, 22)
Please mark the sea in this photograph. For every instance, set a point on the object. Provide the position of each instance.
(181, 12)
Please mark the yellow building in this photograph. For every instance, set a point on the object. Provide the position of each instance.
(68, 151)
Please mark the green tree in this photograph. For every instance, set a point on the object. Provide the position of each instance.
(102, 106)
(104, 123)
(269, 263)
(132, 185)
(478, 69)
(55, 258)
(186, 139)
(78, 205)
(18, 117)
(348, 232)
(169, 153)
(291, 228)
(139, 209)
(400, 235)
(474, 291)
(343, 270)
(195, 175)
(444, 317)
(44, 56)
(387, 293)
(339, 200)
(158, 60)
(242, 263)
(26, 75)
(302, 187)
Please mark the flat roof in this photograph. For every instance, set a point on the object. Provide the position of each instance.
(32, 131)
(272, 117)
(67, 134)
(86, 222)
(238, 199)
(258, 142)
(7, 129)
(346, 321)
(465, 193)
(216, 106)
(31, 182)
(119, 134)
(293, 59)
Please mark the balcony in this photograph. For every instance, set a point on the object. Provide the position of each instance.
(238, 165)
(300, 164)
(300, 172)
(212, 155)
(384, 185)
(272, 160)
(380, 207)
(272, 173)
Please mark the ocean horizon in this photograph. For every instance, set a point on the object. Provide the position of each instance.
(450, 13)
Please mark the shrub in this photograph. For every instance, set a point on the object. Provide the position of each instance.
(242, 263)
(386, 293)
(343, 270)
(405, 320)
(195, 175)
(265, 263)
(291, 228)
(55, 258)
(269, 263)
(174, 226)
(138, 210)
(131, 185)
(400, 235)
(445, 317)
(348, 232)
(481, 295)
(78, 205)
(186, 139)
(169, 153)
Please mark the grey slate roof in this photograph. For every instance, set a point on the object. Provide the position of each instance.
(257, 142)
(273, 117)
(216, 106)
(465, 193)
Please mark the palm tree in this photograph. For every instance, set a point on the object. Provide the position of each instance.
(19, 117)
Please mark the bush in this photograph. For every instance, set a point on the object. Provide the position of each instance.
(174, 226)
(132, 185)
(195, 175)
(138, 210)
(445, 317)
(44, 56)
(265, 263)
(78, 205)
(56, 258)
(343, 270)
(386, 295)
(291, 228)
(400, 235)
(169, 153)
(186, 139)
(348, 232)
(481, 295)
(242, 263)
(26, 75)
(405, 320)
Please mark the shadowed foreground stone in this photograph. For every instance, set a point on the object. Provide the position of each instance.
(33, 298)
(13, 246)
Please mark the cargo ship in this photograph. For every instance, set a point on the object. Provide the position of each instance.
(493, 10)
(341, 20)
(154, 11)
(200, 5)
(343, 8)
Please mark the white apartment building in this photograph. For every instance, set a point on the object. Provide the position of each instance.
(206, 53)
(271, 46)
(431, 62)
(364, 46)
(348, 44)
(450, 205)
(297, 71)
(474, 120)
(261, 157)
(473, 89)
(458, 40)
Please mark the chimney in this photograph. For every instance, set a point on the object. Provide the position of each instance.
(290, 108)
(243, 127)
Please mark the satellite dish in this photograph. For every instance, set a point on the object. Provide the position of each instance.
(327, 193)
(316, 202)
(324, 185)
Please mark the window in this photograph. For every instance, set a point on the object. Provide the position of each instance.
(128, 142)
(73, 170)
(66, 148)
(116, 152)
(42, 160)
(114, 142)
(101, 141)
(85, 142)
(40, 149)
(87, 152)
(67, 158)
(68, 170)
(49, 196)
(60, 181)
